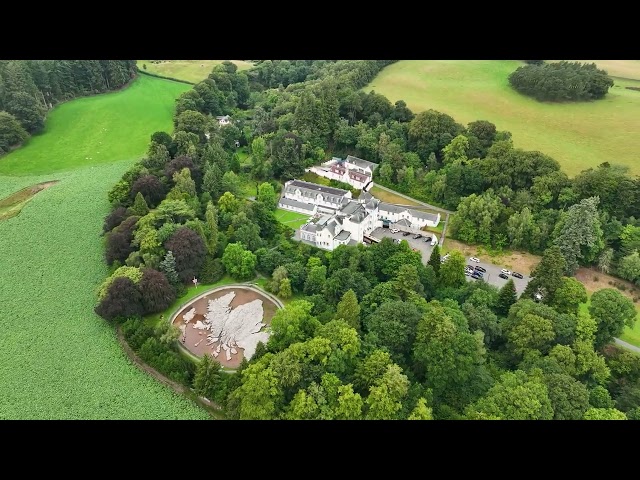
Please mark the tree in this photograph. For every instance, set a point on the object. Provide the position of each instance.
(114, 219)
(122, 300)
(507, 297)
(569, 397)
(189, 251)
(421, 412)
(278, 275)
(11, 132)
(517, 396)
(604, 260)
(258, 158)
(581, 236)
(349, 310)
(430, 131)
(239, 262)
(156, 291)
(316, 277)
(548, 274)
(25, 108)
(208, 381)
(212, 270)
(612, 311)
(599, 397)
(477, 216)
(212, 181)
(629, 267)
(139, 207)
(384, 400)
(569, 296)
(434, 259)
(604, 414)
(211, 228)
(285, 289)
(452, 271)
(157, 157)
(292, 324)
(230, 183)
(407, 282)
(151, 189)
(370, 369)
(168, 267)
(267, 196)
(523, 231)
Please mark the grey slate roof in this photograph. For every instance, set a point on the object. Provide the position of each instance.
(365, 196)
(424, 215)
(372, 204)
(343, 235)
(404, 223)
(313, 188)
(352, 243)
(294, 203)
(309, 227)
(332, 226)
(388, 207)
(351, 208)
(361, 163)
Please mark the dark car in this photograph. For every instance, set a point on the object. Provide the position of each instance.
(481, 269)
(476, 276)
(502, 275)
(426, 239)
(417, 236)
(406, 234)
(517, 275)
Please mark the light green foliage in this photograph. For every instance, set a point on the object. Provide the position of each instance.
(292, 324)
(599, 397)
(590, 365)
(569, 296)
(629, 267)
(476, 217)
(278, 275)
(239, 262)
(267, 195)
(629, 239)
(231, 183)
(523, 231)
(422, 411)
(452, 271)
(385, 397)
(316, 278)
(604, 414)
(184, 183)
(132, 273)
(139, 207)
(569, 397)
(349, 310)
(612, 311)
(370, 369)
(284, 290)
(517, 396)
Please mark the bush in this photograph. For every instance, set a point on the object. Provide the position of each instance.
(212, 270)
(596, 278)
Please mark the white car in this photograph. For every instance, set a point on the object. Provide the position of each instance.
(434, 240)
(394, 230)
(505, 271)
(474, 259)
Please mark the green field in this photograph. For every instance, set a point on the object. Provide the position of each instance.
(577, 135)
(58, 359)
(98, 130)
(190, 70)
(292, 219)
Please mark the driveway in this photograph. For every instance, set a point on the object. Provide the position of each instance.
(491, 276)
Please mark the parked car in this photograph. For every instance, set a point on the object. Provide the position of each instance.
(394, 230)
(502, 275)
(476, 272)
(434, 240)
(476, 276)
(467, 273)
(397, 240)
(481, 269)
(426, 239)
(517, 275)
(474, 259)
(505, 271)
(417, 236)
(406, 234)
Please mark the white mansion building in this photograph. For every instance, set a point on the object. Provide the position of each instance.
(353, 170)
(340, 220)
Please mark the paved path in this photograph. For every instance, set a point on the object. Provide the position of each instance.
(444, 230)
(433, 207)
(626, 345)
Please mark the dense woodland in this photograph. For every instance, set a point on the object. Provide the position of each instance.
(372, 332)
(561, 81)
(30, 88)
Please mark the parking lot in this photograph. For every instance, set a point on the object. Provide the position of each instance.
(491, 275)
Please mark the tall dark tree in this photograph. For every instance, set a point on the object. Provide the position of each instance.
(507, 297)
(156, 291)
(123, 300)
(114, 218)
(11, 132)
(547, 275)
(151, 189)
(189, 251)
(434, 259)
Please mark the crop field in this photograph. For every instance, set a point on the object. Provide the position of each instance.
(58, 359)
(98, 130)
(291, 219)
(190, 70)
(577, 135)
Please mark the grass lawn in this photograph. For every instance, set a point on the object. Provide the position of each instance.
(58, 359)
(389, 197)
(98, 130)
(577, 135)
(292, 219)
(189, 70)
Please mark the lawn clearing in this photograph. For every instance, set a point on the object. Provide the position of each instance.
(390, 197)
(98, 130)
(292, 219)
(577, 135)
(190, 70)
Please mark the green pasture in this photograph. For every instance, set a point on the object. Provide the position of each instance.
(577, 135)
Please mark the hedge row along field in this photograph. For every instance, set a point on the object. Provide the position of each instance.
(577, 135)
(58, 359)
